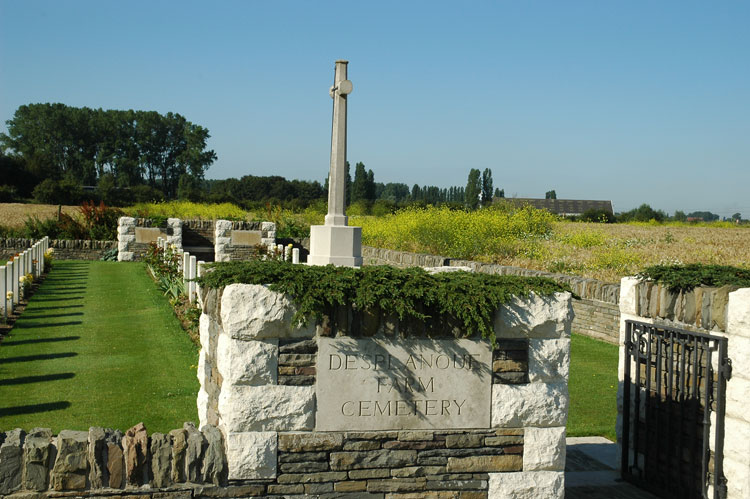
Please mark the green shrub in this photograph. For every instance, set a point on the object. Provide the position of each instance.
(463, 299)
(65, 191)
(687, 277)
(8, 194)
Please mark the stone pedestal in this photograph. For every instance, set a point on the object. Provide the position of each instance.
(336, 244)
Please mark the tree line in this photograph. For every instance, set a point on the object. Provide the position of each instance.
(66, 148)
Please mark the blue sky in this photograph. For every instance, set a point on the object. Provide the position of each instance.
(636, 101)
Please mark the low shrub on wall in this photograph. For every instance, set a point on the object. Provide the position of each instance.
(466, 300)
(686, 277)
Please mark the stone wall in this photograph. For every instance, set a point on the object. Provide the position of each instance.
(238, 240)
(721, 312)
(135, 234)
(261, 386)
(101, 462)
(597, 313)
(65, 249)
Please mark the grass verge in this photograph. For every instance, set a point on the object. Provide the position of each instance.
(98, 345)
(593, 388)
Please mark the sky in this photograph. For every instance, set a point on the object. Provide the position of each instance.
(630, 101)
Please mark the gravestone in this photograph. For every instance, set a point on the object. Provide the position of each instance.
(336, 242)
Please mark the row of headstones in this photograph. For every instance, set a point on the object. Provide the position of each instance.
(192, 268)
(103, 458)
(14, 272)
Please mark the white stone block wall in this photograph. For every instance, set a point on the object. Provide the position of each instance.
(176, 236)
(737, 419)
(240, 330)
(125, 239)
(269, 228)
(540, 406)
(222, 239)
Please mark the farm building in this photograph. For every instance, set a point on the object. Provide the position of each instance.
(564, 207)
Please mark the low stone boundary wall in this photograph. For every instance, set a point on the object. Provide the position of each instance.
(237, 240)
(597, 313)
(102, 462)
(65, 249)
(270, 388)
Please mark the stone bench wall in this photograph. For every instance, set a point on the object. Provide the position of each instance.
(65, 249)
(597, 313)
(232, 246)
(101, 462)
(259, 382)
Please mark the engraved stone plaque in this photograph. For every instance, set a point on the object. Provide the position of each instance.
(378, 384)
(148, 234)
(246, 237)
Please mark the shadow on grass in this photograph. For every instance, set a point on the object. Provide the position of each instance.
(52, 308)
(11, 343)
(32, 358)
(22, 380)
(34, 408)
(47, 316)
(39, 300)
(36, 325)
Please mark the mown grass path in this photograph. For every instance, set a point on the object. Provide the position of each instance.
(98, 345)
(593, 388)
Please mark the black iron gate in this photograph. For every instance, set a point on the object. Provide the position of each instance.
(674, 380)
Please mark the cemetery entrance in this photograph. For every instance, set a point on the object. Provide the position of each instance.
(673, 411)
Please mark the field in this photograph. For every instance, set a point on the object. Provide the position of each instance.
(525, 237)
(15, 214)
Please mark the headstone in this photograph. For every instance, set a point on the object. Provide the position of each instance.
(336, 242)
(246, 237)
(148, 234)
(369, 384)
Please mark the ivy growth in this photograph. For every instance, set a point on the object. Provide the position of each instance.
(686, 277)
(466, 298)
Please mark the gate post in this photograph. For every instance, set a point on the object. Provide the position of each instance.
(737, 422)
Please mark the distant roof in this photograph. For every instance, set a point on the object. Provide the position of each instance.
(562, 206)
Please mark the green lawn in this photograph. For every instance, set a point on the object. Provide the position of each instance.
(593, 388)
(98, 345)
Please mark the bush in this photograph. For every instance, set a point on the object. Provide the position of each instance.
(101, 221)
(8, 194)
(65, 191)
(687, 277)
(502, 230)
(594, 215)
(144, 194)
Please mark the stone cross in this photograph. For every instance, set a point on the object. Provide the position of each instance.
(337, 175)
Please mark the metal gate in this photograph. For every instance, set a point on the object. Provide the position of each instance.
(673, 381)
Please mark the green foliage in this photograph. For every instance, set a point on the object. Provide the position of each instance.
(187, 210)
(486, 187)
(550, 194)
(597, 215)
(55, 140)
(473, 189)
(499, 230)
(687, 277)
(644, 213)
(468, 300)
(65, 191)
(109, 255)
(8, 194)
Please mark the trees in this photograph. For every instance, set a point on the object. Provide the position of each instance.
(359, 185)
(486, 187)
(473, 189)
(550, 194)
(499, 193)
(57, 141)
